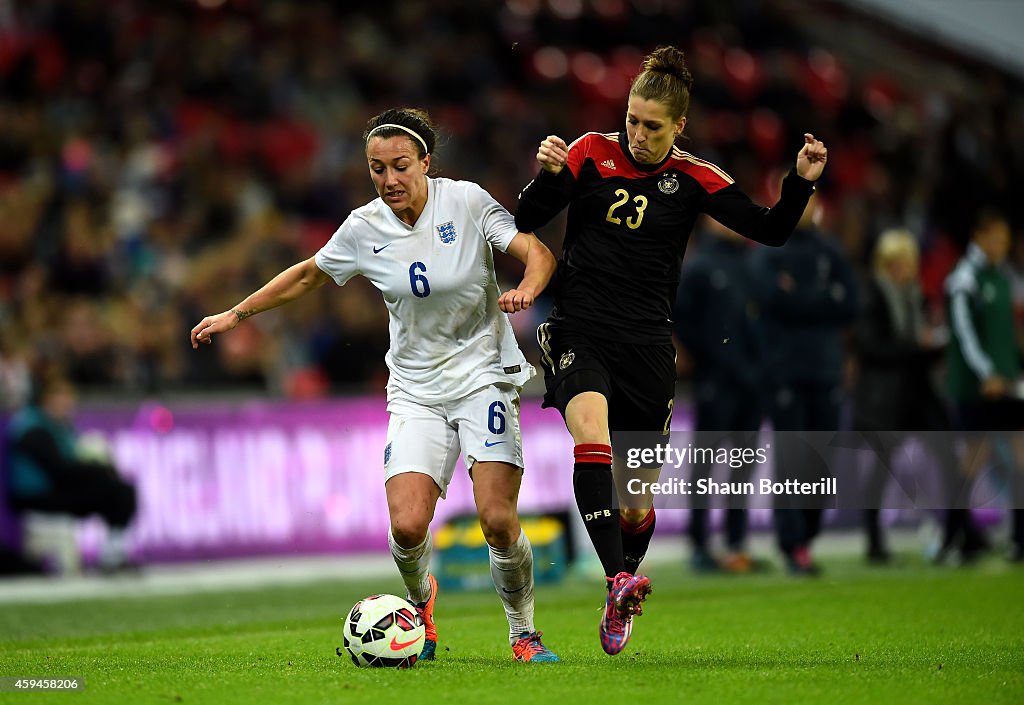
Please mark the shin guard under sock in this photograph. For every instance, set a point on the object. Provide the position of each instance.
(595, 497)
(635, 540)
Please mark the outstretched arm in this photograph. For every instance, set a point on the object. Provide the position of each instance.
(296, 281)
(772, 226)
(540, 266)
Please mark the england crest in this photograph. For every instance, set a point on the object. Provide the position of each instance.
(446, 231)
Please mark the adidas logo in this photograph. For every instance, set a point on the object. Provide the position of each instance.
(608, 164)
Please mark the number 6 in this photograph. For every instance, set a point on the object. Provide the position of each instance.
(418, 282)
(496, 420)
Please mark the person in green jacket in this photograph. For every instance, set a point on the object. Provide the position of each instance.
(984, 363)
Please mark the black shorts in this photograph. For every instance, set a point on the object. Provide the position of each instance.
(637, 380)
(985, 415)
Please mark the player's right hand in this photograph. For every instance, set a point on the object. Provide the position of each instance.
(553, 153)
(994, 387)
(221, 323)
(515, 300)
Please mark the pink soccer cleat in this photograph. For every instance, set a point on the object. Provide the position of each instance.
(622, 604)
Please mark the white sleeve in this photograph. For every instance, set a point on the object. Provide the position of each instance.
(496, 223)
(340, 257)
(961, 285)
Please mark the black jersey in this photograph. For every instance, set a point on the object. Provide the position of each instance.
(628, 226)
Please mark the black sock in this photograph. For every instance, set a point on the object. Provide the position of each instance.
(736, 529)
(698, 529)
(873, 527)
(636, 539)
(595, 497)
(952, 535)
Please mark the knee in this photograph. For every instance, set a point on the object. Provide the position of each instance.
(500, 525)
(408, 530)
(590, 430)
(634, 516)
(586, 416)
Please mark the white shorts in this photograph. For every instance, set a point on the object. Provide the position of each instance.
(427, 438)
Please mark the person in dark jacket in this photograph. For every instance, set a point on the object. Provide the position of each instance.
(47, 474)
(895, 394)
(716, 320)
(807, 294)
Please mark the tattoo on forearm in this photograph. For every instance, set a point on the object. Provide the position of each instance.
(242, 315)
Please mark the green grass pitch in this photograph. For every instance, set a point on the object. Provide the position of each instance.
(914, 634)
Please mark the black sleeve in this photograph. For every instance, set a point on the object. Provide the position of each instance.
(543, 198)
(41, 447)
(769, 226)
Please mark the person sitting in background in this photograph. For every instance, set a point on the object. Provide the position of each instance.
(895, 394)
(47, 475)
(984, 362)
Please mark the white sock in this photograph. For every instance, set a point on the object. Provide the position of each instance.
(512, 572)
(414, 565)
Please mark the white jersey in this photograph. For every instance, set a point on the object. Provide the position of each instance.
(448, 336)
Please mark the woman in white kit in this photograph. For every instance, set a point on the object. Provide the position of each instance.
(455, 366)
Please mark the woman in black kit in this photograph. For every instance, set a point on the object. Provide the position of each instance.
(633, 198)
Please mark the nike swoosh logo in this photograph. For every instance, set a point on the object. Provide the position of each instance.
(509, 592)
(378, 250)
(397, 645)
(488, 444)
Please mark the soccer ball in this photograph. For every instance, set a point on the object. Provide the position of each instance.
(383, 631)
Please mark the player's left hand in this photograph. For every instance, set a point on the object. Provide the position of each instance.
(515, 300)
(810, 161)
(221, 323)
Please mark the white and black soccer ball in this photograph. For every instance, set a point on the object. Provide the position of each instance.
(383, 631)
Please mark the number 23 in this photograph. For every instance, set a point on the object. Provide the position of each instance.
(641, 206)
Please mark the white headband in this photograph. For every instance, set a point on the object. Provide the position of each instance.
(399, 127)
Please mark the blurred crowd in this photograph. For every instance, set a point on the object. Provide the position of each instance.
(159, 160)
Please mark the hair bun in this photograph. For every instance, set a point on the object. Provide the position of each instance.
(669, 60)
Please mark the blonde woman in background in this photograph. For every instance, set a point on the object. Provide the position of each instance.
(895, 393)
